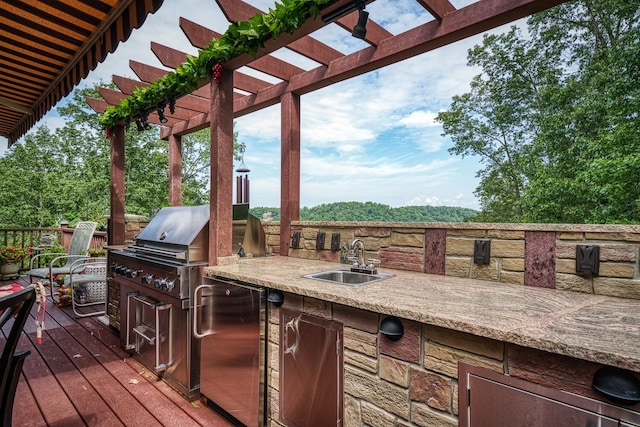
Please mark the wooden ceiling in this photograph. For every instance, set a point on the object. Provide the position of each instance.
(446, 24)
(48, 46)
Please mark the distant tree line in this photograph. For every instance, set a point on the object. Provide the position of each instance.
(370, 211)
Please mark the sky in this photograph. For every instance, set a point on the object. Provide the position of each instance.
(371, 138)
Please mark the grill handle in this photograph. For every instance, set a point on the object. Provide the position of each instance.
(197, 309)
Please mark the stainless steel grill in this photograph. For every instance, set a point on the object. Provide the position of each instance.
(157, 276)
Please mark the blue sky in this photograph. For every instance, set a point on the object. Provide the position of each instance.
(370, 138)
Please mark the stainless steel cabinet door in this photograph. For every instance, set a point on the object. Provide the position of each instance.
(310, 370)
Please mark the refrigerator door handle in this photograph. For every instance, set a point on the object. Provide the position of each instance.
(197, 310)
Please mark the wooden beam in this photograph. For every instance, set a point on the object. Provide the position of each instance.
(289, 167)
(437, 8)
(375, 32)
(150, 74)
(116, 229)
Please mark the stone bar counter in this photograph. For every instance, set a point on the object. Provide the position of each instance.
(555, 338)
(589, 327)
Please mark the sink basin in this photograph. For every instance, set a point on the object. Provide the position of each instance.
(348, 277)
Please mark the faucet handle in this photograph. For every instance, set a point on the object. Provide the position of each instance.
(354, 260)
(374, 262)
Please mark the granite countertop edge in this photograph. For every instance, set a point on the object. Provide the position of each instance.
(596, 328)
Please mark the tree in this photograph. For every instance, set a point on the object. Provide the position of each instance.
(554, 116)
(65, 174)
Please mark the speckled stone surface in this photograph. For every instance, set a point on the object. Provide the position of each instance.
(590, 327)
(539, 261)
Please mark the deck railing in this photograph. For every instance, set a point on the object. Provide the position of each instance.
(31, 238)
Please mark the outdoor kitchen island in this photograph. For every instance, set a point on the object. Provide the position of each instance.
(555, 340)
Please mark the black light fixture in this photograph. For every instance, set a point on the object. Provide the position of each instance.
(163, 118)
(391, 327)
(275, 297)
(360, 30)
(618, 385)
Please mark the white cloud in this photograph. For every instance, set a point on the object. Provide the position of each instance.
(370, 138)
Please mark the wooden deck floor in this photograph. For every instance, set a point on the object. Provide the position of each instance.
(80, 376)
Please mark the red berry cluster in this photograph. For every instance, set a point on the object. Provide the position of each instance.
(217, 72)
(107, 133)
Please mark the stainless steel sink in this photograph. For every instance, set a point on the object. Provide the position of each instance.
(348, 277)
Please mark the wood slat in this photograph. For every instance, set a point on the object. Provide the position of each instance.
(79, 376)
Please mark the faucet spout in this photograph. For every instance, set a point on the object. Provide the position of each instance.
(358, 247)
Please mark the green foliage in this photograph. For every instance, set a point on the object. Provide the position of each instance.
(370, 211)
(244, 37)
(66, 173)
(555, 117)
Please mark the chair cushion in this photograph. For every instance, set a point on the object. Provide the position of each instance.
(44, 271)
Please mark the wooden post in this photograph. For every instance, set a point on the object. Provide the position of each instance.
(116, 231)
(290, 167)
(221, 193)
(175, 170)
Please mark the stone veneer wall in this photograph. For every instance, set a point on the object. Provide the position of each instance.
(414, 381)
(541, 255)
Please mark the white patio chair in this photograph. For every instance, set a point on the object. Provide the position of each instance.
(88, 283)
(80, 242)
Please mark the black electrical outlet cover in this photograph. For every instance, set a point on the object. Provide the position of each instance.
(335, 242)
(482, 252)
(587, 260)
(295, 240)
(320, 240)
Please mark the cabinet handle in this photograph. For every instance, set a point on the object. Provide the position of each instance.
(293, 325)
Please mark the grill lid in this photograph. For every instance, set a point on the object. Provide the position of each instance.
(175, 225)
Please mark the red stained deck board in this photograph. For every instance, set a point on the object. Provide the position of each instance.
(93, 388)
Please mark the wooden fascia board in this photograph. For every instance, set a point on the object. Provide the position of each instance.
(150, 74)
(437, 8)
(462, 23)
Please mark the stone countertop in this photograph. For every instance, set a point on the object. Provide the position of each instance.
(591, 327)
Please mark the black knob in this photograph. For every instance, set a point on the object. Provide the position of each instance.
(147, 278)
(157, 283)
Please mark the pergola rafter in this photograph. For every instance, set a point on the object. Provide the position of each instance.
(238, 93)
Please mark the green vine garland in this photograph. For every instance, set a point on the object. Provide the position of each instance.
(244, 37)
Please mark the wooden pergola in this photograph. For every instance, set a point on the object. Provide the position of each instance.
(216, 104)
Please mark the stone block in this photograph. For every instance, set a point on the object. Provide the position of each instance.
(415, 240)
(310, 233)
(445, 360)
(423, 416)
(394, 371)
(567, 266)
(458, 267)
(330, 256)
(359, 341)
(402, 258)
(567, 250)
(351, 408)
(372, 232)
(618, 253)
(432, 389)
(373, 416)
(463, 341)
(505, 234)
(459, 247)
(625, 237)
(515, 277)
(462, 232)
(513, 264)
(356, 318)
(389, 397)
(485, 272)
(406, 348)
(507, 248)
(569, 235)
(435, 251)
(613, 269)
(360, 361)
(317, 307)
(552, 370)
(623, 288)
(540, 259)
(572, 282)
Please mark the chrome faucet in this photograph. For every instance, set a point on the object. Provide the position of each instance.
(358, 259)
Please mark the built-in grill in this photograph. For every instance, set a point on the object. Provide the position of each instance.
(157, 276)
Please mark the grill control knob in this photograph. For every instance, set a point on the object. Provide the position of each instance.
(158, 283)
(132, 272)
(147, 278)
(169, 284)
